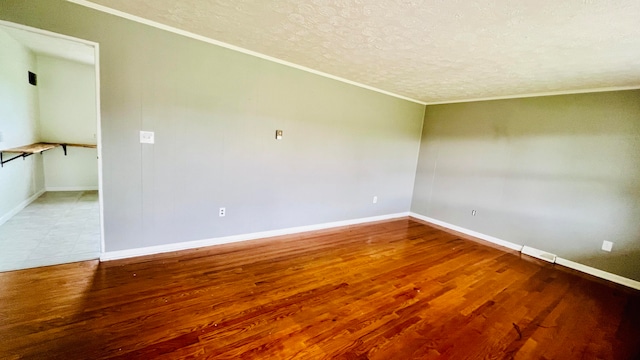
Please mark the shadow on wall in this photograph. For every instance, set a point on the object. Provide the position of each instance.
(619, 261)
(560, 174)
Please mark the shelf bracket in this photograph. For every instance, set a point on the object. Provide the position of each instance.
(2, 161)
(64, 148)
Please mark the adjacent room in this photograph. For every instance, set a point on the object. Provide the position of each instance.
(319, 179)
(48, 134)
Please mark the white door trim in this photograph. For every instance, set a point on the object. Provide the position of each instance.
(96, 48)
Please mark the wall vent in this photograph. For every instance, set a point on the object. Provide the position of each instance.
(33, 79)
(539, 254)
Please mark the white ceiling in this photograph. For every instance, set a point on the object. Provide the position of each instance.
(52, 45)
(428, 50)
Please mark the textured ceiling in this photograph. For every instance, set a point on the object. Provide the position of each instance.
(428, 50)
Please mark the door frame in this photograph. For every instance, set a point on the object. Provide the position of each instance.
(96, 50)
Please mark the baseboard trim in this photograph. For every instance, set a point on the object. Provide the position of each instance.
(599, 273)
(159, 249)
(475, 234)
(71, 188)
(539, 254)
(19, 208)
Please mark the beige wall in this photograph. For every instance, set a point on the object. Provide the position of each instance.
(558, 173)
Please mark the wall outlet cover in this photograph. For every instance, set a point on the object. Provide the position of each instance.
(147, 137)
(607, 245)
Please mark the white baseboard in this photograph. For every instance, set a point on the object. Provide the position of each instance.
(539, 254)
(151, 250)
(475, 234)
(599, 273)
(18, 208)
(71, 188)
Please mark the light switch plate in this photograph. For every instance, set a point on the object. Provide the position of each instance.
(147, 137)
(607, 245)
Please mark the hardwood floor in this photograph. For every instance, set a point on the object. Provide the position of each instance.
(389, 290)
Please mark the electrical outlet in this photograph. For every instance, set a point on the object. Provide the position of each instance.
(147, 137)
(375, 199)
(607, 245)
(473, 213)
(223, 212)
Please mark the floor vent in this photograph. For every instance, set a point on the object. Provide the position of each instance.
(539, 254)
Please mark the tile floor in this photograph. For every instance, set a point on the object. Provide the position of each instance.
(58, 227)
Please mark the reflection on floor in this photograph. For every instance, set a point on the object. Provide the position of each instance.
(59, 227)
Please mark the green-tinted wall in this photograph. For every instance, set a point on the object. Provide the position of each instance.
(558, 173)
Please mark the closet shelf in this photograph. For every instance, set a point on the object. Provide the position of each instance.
(28, 150)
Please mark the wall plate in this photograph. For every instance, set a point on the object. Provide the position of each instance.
(147, 137)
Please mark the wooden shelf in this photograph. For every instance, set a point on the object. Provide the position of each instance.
(32, 149)
(28, 150)
(89, 146)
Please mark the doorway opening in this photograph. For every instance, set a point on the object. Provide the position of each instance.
(50, 149)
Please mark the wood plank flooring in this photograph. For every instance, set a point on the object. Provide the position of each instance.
(390, 290)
